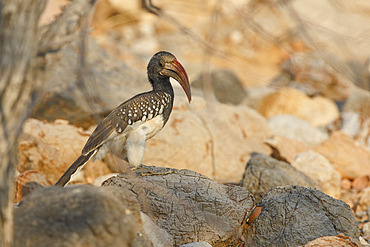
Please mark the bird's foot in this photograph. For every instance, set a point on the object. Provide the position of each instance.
(152, 170)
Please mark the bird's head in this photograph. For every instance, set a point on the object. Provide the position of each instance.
(164, 65)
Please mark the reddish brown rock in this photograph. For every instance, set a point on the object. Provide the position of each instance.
(346, 184)
(361, 183)
(348, 158)
(50, 148)
(28, 181)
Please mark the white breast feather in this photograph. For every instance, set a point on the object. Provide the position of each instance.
(131, 142)
(135, 144)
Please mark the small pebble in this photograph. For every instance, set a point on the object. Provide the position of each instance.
(346, 184)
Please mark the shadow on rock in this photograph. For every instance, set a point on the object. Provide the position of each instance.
(294, 215)
(79, 216)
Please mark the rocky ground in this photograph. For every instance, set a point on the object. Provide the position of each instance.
(274, 148)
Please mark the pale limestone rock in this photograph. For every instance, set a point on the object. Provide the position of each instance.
(350, 123)
(366, 230)
(287, 148)
(363, 241)
(295, 128)
(346, 184)
(255, 95)
(318, 168)
(356, 117)
(319, 111)
(364, 201)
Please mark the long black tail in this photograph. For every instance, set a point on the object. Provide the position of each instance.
(73, 169)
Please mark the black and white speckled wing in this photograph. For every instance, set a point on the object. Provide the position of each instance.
(102, 132)
(140, 108)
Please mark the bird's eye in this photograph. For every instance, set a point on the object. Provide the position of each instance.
(161, 62)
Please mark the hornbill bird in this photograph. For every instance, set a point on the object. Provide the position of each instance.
(124, 131)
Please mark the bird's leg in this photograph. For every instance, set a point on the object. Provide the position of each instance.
(135, 146)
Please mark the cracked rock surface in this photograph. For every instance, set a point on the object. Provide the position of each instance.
(189, 206)
(294, 215)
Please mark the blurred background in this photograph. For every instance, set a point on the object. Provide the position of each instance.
(322, 44)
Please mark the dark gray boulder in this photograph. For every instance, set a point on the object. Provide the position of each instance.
(263, 172)
(294, 215)
(79, 216)
(189, 206)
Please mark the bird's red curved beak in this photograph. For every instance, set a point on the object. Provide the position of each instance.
(175, 70)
